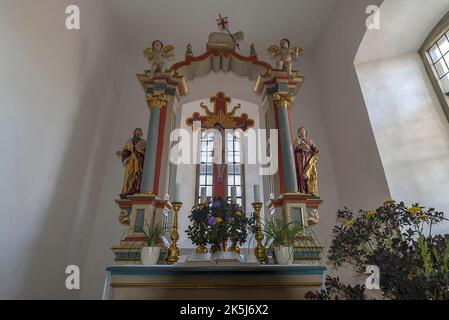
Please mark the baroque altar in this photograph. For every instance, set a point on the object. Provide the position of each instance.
(150, 197)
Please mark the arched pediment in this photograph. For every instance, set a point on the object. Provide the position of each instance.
(215, 60)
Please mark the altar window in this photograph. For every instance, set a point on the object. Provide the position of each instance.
(439, 54)
(435, 54)
(206, 171)
(235, 167)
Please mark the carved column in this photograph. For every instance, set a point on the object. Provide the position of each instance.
(162, 92)
(282, 102)
(155, 104)
(278, 90)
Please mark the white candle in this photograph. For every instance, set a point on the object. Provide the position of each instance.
(256, 193)
(203, 195)
(178, 192)
(233, 195)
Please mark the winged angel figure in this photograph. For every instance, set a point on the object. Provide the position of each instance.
(286, 55)
(158, 55)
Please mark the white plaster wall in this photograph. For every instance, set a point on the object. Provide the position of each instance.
(359, 173)
(58, 93)
(411, 130)
(356, 162)
(404, 25)
(308, 112)
(107, 231)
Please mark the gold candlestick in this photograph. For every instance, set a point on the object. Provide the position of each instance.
(234, 247)
(259, 250)
(173, 251)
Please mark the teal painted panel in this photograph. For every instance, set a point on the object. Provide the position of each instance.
(159, 86)
(216, 271)
(127, 255)
(140, 219)
(298, 215)
(170, 91)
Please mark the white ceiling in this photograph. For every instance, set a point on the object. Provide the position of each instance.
(179, 22)
(404, 25)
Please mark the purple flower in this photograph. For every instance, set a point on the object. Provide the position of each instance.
(212, 221)
(231, 219)
(216, 204)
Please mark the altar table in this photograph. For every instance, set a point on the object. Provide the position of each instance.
(252, 282)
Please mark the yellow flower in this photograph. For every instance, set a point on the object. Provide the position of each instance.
(371, 214)
(424, 216)
(219, 220)
(349, 223)
(414, 210)
(238, 213)
(389, 202)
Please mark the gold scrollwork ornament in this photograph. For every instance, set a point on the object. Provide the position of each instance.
(156, 100)
(283, 100)
(124, 217)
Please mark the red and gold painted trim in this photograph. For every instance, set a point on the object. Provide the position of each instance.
(142, 200)
(310, 201)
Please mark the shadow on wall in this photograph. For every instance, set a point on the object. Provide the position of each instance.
(64, 239)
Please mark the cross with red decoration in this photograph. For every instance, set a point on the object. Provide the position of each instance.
(226, 120)
(222, 23)
(221, 116)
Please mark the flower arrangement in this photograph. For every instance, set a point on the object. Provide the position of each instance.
(215, 221)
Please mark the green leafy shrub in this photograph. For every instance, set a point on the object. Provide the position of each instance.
(413, 262)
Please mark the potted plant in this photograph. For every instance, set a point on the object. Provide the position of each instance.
(283, 236)
(152, 237)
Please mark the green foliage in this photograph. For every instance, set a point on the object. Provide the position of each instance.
(198, 229)
(283, 234)
(413, 263)
(335, 290)
(152, 235)
(426, 255)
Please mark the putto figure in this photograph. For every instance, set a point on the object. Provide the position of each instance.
(306, 163)
(133, 154)
(158, 55)
(287, 56)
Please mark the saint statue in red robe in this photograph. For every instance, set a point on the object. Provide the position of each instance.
(306, 160)
(133, 154)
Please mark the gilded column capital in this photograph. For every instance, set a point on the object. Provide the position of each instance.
(283, 100)
(156, 100)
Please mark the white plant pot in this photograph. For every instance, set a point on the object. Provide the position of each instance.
(150, 255)
(284, 255)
